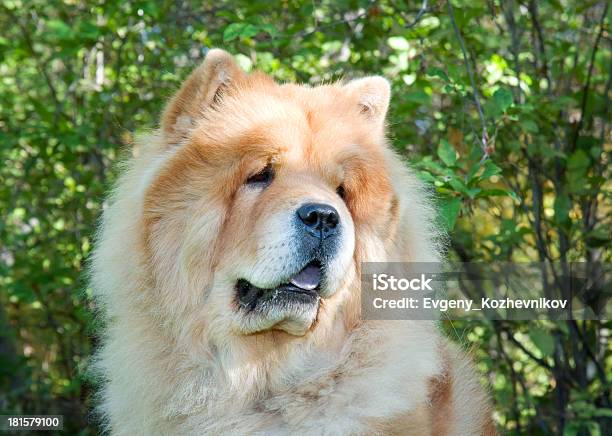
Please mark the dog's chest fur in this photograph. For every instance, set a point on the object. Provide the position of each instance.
(317, 392)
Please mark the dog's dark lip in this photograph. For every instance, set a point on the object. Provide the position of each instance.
(249, 295)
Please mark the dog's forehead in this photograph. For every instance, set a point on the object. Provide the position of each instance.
(294, 122)
(295, 107)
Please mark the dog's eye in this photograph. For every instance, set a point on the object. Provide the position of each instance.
(341, 192)
(264, 177)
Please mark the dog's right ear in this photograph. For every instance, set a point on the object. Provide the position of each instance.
(372, 95)
(204, 87)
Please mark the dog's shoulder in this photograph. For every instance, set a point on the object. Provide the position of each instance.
(457, 404)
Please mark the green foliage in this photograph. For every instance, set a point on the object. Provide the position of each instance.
(79, 79)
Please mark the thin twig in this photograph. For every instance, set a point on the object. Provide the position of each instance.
(318, 28)
(516, 342)
(533, 11)
(514, 37)
(514, 378)
(587, 85)
(418, 16)
(485, 136)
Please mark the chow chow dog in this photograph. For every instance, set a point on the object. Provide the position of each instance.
(228, 262)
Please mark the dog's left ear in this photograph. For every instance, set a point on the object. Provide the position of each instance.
(372, 95)
(204, 87)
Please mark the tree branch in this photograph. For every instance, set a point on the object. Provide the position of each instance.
(587, 85)
(486, 149)
(418, 16)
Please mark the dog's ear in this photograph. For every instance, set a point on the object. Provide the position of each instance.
(204, 87)
(372, 95)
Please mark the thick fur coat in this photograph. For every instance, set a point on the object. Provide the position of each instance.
(207, 205)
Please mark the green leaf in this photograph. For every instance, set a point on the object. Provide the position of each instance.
(571, 429)
(473, 192)
(88, 30)
(503, 99)
(437, 72)
(426, 177)
(449, 211)
(241, 30)
(496, 192)
(270, 29)
(606, 413)
(562, 207)
(459, 186)
(490, 169)
(578, 161)
(432, 166)
(543, 340)
(447, 153)
(577, 166)
(598, 237)
(418, 97)
(249, 31)
(233, 31)
(471, 174)
(529, 126)
(59, 29)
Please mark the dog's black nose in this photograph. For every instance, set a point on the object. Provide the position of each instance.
(320, 220)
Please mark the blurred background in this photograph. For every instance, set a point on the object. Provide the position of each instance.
(502, 107)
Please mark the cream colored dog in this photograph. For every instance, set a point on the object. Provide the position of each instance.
(228, 265)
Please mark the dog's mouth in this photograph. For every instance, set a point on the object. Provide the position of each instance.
(302, 288)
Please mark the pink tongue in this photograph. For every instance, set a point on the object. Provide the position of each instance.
(309, 278)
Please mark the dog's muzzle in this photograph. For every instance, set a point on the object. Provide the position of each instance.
(316, 232)
(302, 288)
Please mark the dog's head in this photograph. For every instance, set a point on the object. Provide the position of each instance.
(265, 198)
